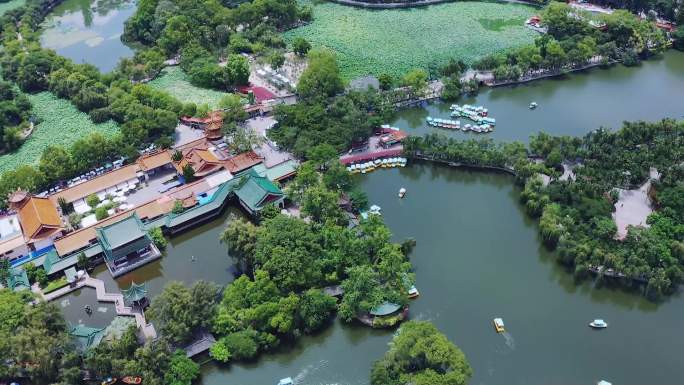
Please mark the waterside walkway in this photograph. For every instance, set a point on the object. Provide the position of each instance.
(147, 329)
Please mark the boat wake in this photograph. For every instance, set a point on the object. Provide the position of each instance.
(510, 342)
(309, 369)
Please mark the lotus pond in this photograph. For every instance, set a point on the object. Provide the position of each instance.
(396, 41)
(60, 124)
(10, 5)
(174, 81)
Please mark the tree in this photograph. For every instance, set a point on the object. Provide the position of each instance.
(179, 311)
(315, 309)
(300, 46)
(182, 370)
(82, 262)
(321, 205)
(240, 345)
(678, 39)
(188, 173)
(241, 237)
(362, 292)
(276, 60)
(322, 77)
(288, 251)
(233, 109)
(158, 238)
(452, 88)
(415, 79)
(56, 163)
(386, 81)
(419, 354)
(237, 69)
(4, 271)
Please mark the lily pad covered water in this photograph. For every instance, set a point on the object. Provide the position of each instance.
(89, 31)
(60, 124)
(10, 5)
(396, 41)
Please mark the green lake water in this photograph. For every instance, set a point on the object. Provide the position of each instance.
(571, 105)
(88, 31)
(478, 257)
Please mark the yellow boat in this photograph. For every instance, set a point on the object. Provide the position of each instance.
(499, 325)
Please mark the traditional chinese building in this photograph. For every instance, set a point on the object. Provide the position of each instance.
(126, 245)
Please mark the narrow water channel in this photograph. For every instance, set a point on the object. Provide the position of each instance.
(89, 31)
(574, 104)
(478, 257)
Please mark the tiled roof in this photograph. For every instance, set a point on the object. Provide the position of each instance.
(37, 215)
(120, 233)
(100, 183)
(152, 161)
(255, 189)
(243, 161)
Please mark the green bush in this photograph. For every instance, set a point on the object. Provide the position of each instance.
(158, 238)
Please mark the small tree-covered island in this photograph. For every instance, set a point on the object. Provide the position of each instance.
(346, 191)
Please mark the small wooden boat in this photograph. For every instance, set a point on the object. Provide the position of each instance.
(598, 324)
(499, 325)
(131, 380)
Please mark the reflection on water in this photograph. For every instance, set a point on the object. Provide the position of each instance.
(571, 105)
(478, 257)
(89, 31)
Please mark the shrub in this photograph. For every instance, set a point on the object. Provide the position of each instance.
(101, 213)
(158, 238)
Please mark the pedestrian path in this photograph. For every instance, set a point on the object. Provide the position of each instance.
(117, 298)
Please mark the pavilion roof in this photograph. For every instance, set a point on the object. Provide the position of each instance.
(255, 189)
(385, 309)
(135, 292)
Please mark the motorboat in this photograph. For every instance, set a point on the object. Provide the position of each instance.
(533, 105)
(109, 380)
(286, 381)
(402, 192)
(598, 324)
(413, 292)
(499, 325)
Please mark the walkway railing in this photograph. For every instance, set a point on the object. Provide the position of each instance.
(121, 309)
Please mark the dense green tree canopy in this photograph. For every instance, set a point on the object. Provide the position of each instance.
(420, 354)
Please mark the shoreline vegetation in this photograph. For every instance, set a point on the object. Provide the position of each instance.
(286, 260)
(575, 212)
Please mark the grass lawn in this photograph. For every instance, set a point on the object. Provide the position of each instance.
(174, 81)
(10, 5)
(396, 41)
(60, 124)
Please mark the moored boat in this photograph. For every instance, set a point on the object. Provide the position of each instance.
(109, 381)
(499, 325)
(131, 380)
(413, 292)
